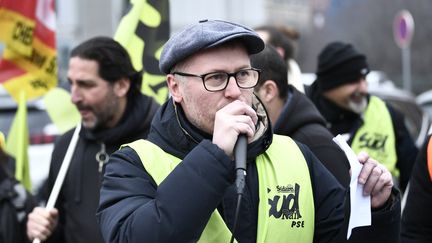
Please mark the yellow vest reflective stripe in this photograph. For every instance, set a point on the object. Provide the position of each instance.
(376, 136)
(286, 210)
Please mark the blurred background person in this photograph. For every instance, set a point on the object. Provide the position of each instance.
(15, 202)
(368, 123)
(106, 90)
(284, 45)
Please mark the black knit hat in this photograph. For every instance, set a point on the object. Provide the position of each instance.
(339, 63)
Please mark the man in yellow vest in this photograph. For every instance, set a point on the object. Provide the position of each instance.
(178, 185)
(368, 123)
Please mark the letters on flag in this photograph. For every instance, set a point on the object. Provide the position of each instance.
(143, 31)
(29, 60)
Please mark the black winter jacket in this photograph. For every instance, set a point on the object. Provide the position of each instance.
(342, 121)
(15, 204)
(79, 197)
(301, 121)
(416, 218)
(134, 209)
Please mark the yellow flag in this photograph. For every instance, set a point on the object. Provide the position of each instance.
(17, 143)
(143, 31)
(60, 109)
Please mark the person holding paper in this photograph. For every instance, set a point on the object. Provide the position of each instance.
(105, 88)
(178, 185)
(284, 40)
(368, 123)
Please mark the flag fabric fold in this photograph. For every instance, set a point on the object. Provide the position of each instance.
(29, 61)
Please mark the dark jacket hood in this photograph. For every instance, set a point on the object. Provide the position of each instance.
(137, 117)
(304, 110)
(171, 131)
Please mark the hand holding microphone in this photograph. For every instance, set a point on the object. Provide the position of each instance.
(232, 120)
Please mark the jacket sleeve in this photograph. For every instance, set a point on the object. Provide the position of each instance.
(406, 150)
(416, 221)
(133, 209)
(332, 209)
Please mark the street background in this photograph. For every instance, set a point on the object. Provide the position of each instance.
(368, 24)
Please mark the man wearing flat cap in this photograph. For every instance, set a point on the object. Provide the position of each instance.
(180, 184)
(368, 123)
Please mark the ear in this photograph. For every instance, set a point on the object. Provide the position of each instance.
(174, 88)
(268, 91)
(281, 51)
(121, 87)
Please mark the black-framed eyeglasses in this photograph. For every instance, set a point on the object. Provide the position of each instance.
(217, 81)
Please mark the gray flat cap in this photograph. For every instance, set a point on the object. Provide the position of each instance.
(203, 35)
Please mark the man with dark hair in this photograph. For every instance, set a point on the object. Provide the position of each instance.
(368, 123)
(180, 184)
(106, 90)
(293, 114)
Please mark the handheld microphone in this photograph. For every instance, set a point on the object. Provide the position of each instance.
(240, 155)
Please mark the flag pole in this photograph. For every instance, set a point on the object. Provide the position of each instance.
(62, 172)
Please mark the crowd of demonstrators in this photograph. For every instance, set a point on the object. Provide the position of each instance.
(283, 39)
(368, 123)
(105, 88)
(15, 202)
(177, 186)
(293, 114)
(174, 178)
(416, 217)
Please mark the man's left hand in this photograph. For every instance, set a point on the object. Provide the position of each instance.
(377, 180)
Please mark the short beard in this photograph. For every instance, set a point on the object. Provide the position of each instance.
(358, 107)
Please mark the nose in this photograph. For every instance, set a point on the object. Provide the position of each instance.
(232, 90)
(363, 85)
(75, 94)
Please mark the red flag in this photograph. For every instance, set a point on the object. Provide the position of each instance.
(29, 60)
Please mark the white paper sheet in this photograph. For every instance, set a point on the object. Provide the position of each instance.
(360, 214)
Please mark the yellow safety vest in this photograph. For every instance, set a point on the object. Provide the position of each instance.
(286, 209)
(376, 135)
